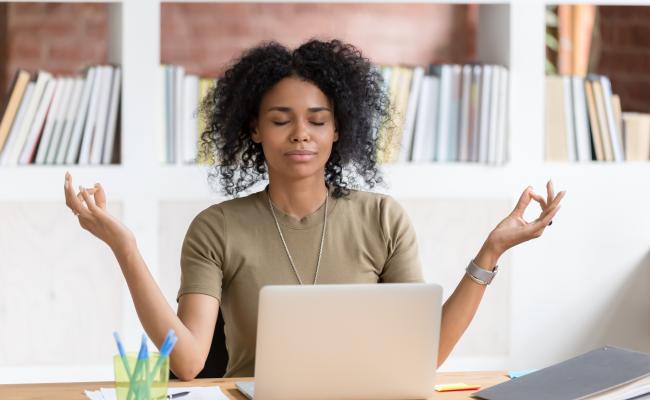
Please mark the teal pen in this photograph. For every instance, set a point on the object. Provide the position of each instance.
(146, 360)
(136, 373)
(165, 350)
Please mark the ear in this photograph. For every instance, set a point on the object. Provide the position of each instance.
(336, 135)
(255, 134)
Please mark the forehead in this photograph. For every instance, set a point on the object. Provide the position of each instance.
(294, 93)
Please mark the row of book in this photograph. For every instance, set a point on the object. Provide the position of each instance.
(584, 122)
(442, 113)
(447, 113)
(62, 120)
(180, 125)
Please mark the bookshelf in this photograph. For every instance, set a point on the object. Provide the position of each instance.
(509, 32)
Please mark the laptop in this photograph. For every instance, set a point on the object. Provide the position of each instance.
(352, 341)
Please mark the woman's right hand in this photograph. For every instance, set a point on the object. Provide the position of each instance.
(89, 206)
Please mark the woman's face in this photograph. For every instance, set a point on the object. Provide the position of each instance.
(296, 128)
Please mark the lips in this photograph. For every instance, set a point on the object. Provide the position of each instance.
(300, 153)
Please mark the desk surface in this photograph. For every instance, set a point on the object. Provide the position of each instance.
(74, 391)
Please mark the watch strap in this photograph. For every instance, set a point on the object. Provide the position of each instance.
(480, 275)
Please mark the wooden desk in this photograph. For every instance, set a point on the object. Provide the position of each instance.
(74, 391)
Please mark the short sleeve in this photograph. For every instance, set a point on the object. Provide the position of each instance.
(202, 254)
(402, 261)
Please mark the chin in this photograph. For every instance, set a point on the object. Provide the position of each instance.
(302, 170)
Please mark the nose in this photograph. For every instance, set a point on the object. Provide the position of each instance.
(300, 134)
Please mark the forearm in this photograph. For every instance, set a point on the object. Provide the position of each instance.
(460, 308)
(156, 315)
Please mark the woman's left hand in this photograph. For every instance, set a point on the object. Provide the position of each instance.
(514, 229)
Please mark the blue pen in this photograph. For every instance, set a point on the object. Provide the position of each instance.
(120, 349)
(170, 334)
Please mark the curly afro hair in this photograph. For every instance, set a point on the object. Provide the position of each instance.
(348, 79)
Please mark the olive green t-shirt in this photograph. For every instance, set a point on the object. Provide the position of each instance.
(232, 249)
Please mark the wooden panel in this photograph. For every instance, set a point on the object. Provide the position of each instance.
(69, 391)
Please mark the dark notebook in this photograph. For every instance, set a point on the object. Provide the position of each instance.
(588, 374)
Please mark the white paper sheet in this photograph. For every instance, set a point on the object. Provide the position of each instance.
(196, 393)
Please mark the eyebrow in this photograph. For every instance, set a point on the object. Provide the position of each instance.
(288, 109)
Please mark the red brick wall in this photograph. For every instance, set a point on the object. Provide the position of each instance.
(204, 37)
(60, 38)
(625, 53)
(3, 53)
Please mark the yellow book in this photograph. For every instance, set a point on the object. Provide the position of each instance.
(205, 84)
(17, 90)
(401, 100)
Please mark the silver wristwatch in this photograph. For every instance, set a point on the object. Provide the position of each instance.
(480, 275)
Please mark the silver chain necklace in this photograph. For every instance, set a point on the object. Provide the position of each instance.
(322, 239)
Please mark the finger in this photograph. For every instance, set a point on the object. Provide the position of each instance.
(543, 222)
(538, 198)
(71, 200)
(90, 202)
(558, 198)
(550, 192)
(83, 206)
(100, 196)
(523, 202)
(536, 228)
(551, 208)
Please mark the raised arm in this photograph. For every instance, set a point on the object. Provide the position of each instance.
(197, 313)
(459, 309)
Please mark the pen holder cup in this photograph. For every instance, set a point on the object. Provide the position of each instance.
(138, 388)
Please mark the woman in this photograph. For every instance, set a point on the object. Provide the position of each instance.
(307, 120)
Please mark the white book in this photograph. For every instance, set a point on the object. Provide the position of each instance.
(475, 110)
(190, 118)
(97, 144)
(502, 117)
(161, 144)
(426, 122)
(179, 137)
(58, 152)
(61, 120)
(463, 132)
(454, 113)
(581, 119)
(42, 79)
(494, 113)
(111, 124)
(52, 121)
(29, 149)
(18, 123)
(444, 105)
(568, 118)
(91, 125)
(484, 118)
(83, 115)
(615, 136)
(406, 147)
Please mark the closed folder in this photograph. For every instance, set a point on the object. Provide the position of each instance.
(607, 373)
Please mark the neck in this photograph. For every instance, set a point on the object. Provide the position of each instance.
(298, 198)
